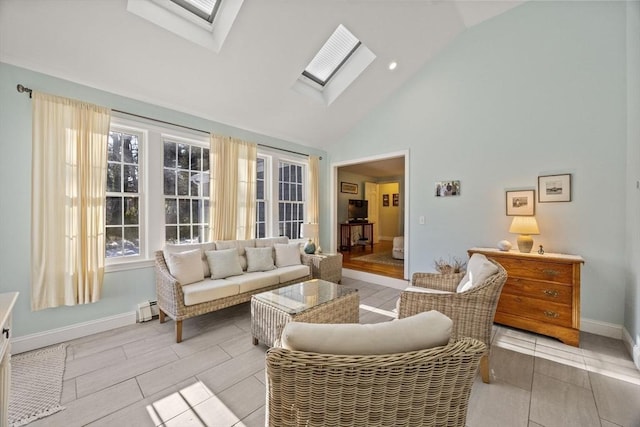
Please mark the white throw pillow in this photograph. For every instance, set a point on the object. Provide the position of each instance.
(479, 269)
(421, 331)
(259, 259)
(171, 248)
(224, 263)
(186, 266)
(287, 254)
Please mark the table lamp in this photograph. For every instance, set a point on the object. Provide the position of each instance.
(525, 226)
(310, 232)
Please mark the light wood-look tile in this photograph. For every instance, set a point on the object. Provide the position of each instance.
(498, 404)
(232, 371)
(83, 365)
(511, 367)
(618, 401)
(562, 372)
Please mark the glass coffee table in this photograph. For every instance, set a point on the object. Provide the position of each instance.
(313, 301)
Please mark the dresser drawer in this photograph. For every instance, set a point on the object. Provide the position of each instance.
(544, 311)
(546, 291)
(537, 269)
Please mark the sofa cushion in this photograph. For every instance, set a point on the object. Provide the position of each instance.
(287, 254)
(292, 272)
(171, 248)
(208, 290)
(259, 259)
(421, 331)
(240, 245)
(186, 266)
(479, 269)
(224, 263)
(251, 281)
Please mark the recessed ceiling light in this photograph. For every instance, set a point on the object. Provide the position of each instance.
(393, 65)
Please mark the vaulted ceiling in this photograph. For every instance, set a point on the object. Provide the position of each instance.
(248, 84)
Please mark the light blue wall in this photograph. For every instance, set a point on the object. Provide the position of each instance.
(122, 290)
(538, 90)
(632, 296)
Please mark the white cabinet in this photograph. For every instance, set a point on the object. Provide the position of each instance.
(7, 300)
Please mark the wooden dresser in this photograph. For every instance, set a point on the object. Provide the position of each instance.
(7, 301)
(542, 293)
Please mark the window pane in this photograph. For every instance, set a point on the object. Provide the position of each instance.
(183, 156)
(205, 184)
(196, 211)
(171, 234)
(130, 179)
(183, 183)
(131, 210)
(169, 182)
(113, 178)
(196, 232)
(170, 154)
(114, 146)
(196, 158)
(185, 233)
(299, 192)
(131, 241)
(113, 242)
(114, 211)
(196, 178)
(170, 211)
(205, 159)
(184, 212)
(130, 149)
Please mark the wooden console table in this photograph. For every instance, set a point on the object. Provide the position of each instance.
(542, 293)
(346, 232)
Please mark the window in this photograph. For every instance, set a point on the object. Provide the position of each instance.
(123, 204)
(205, 9)
(290, 199)
(186, 192)
(261, 202)
(335, 52)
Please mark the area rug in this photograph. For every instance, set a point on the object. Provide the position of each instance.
(380, 258)
(36, 384)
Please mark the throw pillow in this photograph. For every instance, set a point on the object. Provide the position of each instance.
(421, 331)
(170, 248)
(479, 269)
(287, 254)
(259, 259)
(186, 266)
(224, 263)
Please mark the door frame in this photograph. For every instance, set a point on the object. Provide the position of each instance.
(333, 205)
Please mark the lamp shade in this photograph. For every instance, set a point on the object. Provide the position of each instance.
(524, 225)
(308, 230)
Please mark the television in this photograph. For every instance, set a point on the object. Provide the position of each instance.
(358, 210)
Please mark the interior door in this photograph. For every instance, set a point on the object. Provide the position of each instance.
(371, 194)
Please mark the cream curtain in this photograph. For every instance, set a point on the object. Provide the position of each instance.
(69, 169)
(233, 188)
(313, 203)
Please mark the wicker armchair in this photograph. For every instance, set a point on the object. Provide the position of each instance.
(419, 388)
(472, 311)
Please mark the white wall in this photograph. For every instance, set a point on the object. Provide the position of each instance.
(536, 91)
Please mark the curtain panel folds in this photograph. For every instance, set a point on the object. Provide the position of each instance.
(313, 210)
(69, 169)
(233, 188)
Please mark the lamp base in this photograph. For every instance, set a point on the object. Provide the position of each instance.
(310, 247)
(525, 243)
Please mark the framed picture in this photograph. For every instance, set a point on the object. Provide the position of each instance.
(385, 200)
(521, 203)
(554, 188)
(447, 188)
(396, 199)
(348, 187)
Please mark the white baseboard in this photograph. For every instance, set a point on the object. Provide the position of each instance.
(66, 333)
(597, 327)
(374, 278)
(632, 347)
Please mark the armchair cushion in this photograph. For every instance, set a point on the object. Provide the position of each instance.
(479, 269)
(424, 330)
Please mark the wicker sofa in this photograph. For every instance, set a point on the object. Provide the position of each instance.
(182, 301)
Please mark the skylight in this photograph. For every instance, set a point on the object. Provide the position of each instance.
(205, 9)
(335, 52)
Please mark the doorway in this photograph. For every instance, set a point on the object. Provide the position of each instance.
(385, 178)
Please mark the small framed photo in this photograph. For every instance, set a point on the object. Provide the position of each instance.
(554, 188)
(385, 200)
(447, 188)
(396, 199)
(348, 187)
(521, 203)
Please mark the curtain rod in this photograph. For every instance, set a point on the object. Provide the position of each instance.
(23, 89)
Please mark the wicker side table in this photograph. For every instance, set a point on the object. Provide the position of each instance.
(313, 301)
(325, 266)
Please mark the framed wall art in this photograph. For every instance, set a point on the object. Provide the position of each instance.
(521, 203)
(385, 200)
(396, 199)
(447, 188)
(348, 187)
(554, 188)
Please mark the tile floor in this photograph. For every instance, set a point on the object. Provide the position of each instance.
(138, 376)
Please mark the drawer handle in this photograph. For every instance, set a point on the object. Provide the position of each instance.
(550, 272)
(551, 293)
(5, 332)
(551, 314)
